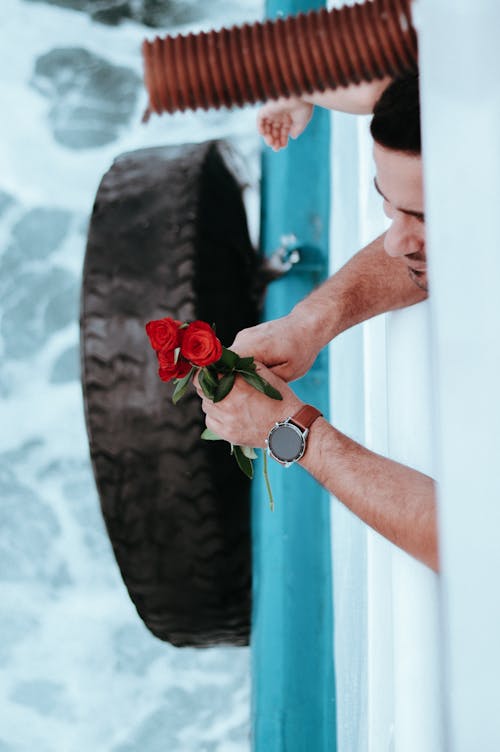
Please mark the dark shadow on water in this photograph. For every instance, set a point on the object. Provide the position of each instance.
(153, 13)
(91, 100)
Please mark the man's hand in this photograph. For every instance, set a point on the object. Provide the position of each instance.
(287, 346)
(288, 117)
(246, 416)
(369, 284)
(278, 120)
(395, 500)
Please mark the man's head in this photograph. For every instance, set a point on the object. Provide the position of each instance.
(395, 128)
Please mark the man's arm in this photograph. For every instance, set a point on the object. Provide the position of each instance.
(395, 500)
(357, 99)
(370, 283)
(288, 117)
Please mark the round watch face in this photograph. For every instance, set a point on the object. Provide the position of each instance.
(286, 442)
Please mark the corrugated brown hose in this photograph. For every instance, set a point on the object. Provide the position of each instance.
(289, 56)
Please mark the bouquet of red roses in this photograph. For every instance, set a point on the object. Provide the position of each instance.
(186, 349)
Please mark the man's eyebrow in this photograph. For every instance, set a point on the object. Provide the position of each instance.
(418, 215)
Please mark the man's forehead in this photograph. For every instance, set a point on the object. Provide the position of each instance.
(399, 178)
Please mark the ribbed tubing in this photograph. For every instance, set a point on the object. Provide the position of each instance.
(289, 56)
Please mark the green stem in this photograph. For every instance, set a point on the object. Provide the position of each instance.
(268, 484)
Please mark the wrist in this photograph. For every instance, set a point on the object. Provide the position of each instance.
(318, 433)
(318, 322)
(287, 440)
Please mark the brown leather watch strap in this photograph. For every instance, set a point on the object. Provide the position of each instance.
(305, 417)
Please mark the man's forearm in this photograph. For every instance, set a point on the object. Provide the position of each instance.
(358, 99)
(370, 283)
(393, 499)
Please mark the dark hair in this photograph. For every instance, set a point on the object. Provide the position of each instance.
(396, 117)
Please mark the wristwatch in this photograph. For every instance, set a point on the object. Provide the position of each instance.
(286, 442)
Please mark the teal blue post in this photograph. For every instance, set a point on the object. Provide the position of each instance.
(293, 688)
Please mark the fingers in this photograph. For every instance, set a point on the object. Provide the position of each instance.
(263, 343)
(296, 130)
(196, 383)
(281, 119)
(270, 375)
(248, 341)
(275, 130)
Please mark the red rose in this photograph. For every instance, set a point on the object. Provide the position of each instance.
(200, 344)
(169, 369)
(164, 334)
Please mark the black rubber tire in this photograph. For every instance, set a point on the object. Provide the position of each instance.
(168, 237)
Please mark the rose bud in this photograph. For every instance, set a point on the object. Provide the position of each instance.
(169, 369)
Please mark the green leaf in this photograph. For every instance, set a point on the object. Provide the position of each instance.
(209, 435)
(182, 385)
(271, 391)
(245, 364)
(249, 452)
(206, 386)
(262, 385)
(254, 380)
(224, 387)
(228, 359)
(210, 376)
(244, 463)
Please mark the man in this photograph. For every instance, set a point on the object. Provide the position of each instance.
(390, 273)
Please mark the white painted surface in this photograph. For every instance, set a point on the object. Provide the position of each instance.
(417, 694)
(460, 54)
(349, 542)
(386, 608)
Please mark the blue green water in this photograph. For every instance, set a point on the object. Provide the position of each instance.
(78, 670)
